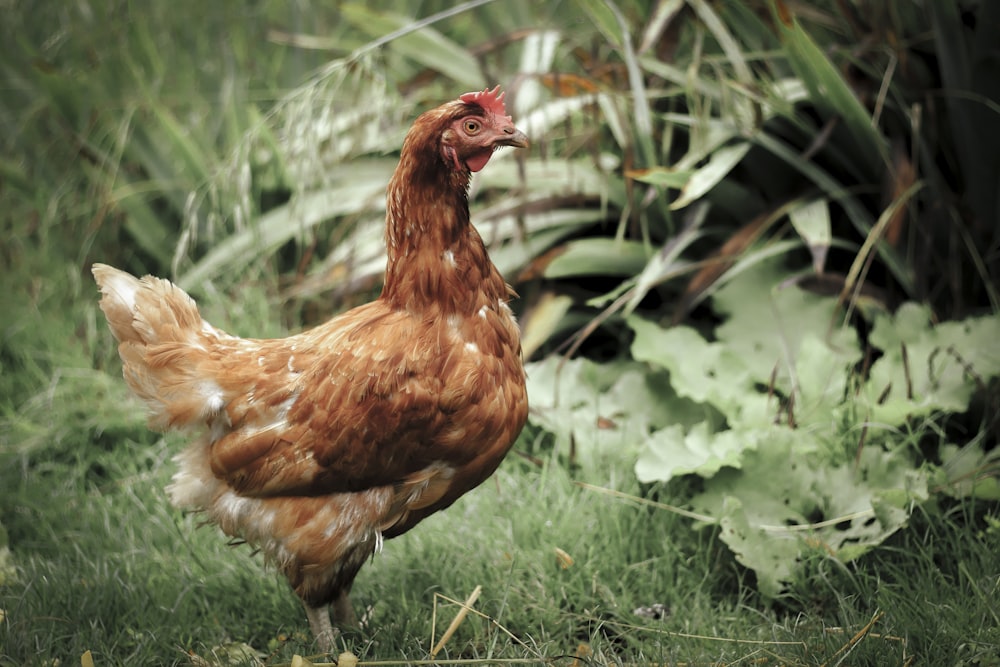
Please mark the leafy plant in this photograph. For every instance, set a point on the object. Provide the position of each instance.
(799, 446)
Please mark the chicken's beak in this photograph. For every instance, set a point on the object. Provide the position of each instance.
(512, 136)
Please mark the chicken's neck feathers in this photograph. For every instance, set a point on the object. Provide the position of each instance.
(436, 258)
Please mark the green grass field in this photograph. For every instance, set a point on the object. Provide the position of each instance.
(103, 564)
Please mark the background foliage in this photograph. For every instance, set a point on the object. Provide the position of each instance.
(756, 246)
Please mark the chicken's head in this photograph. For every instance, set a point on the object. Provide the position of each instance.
(480, 126)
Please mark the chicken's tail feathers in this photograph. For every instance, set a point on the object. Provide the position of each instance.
(163, 343)
(145, 310)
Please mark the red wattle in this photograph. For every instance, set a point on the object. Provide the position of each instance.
(478, 161)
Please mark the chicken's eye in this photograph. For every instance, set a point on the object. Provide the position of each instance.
(472, 126)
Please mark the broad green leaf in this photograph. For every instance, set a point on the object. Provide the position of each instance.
(771, 557)
(670, 452)
(822, 380)
(779, 345)
(604, 411)
(580, 411)
(926, 369)
(704, 372)
(807, 504)
(598, 256)
(767, 320)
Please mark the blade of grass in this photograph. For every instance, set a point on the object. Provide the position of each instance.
(862, 261)
(829, 91)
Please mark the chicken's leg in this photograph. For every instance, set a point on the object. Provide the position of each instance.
(343, 611)
(319, 620)
(322, 629)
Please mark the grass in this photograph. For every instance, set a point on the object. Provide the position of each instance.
(105, 565)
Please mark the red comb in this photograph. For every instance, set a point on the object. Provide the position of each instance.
(489, 100)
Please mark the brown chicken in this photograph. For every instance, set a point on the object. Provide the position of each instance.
(317, 447)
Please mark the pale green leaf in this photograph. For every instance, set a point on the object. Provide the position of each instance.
(771, 557)
(721, 162)
(704, 372)
(822, 380)
(812, 223)
(925, 369)
(664, 177)
(599, 256)
(604, 411)
(807, 504)
(670, 452)
(544, 319)
(767, 332)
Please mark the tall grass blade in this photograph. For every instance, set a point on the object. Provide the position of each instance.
(830, 92)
